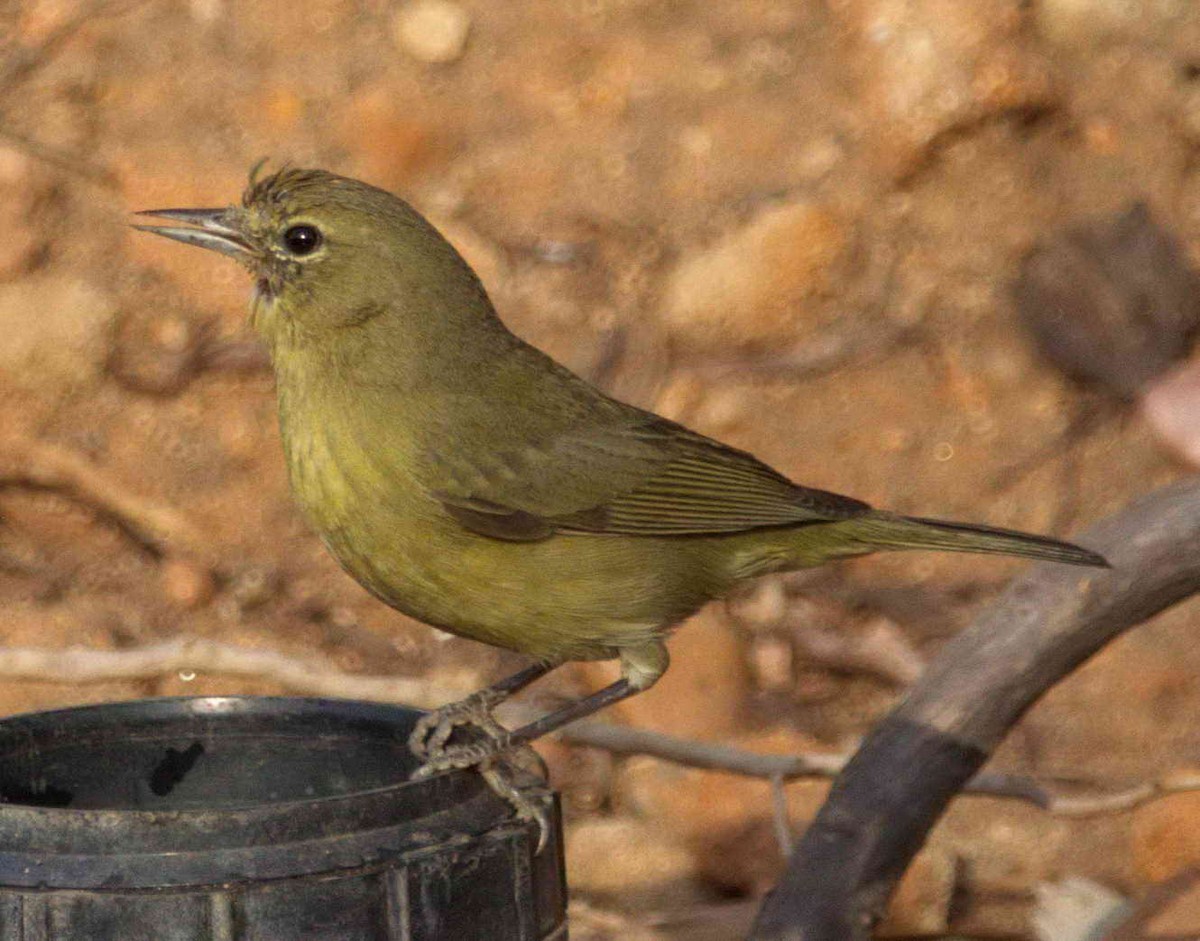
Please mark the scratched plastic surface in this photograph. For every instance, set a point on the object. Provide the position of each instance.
(256, 819)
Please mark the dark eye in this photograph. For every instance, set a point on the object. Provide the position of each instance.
(302, 239)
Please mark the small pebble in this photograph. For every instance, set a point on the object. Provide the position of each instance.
(1171, 405)
(433, 31)
(186, 583)
(772, 662)
(764, 605)
(1112, 302)
(253, 588)
(174, 334)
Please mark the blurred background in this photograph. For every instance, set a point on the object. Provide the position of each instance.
(938, 255)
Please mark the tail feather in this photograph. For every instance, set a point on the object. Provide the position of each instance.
(887, 531)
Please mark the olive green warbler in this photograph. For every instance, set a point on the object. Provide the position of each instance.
(468, 480)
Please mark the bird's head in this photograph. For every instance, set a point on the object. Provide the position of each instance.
(328, 252)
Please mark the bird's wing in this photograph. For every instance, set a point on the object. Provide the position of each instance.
(652, 478)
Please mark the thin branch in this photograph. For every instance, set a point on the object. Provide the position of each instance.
(192, 656)
(893, 791)
(156, 526)
(707, 756)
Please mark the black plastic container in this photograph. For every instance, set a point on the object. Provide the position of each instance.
(257, 819)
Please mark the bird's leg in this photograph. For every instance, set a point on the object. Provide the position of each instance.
(478, 753)
(641, 666)
(429, 736)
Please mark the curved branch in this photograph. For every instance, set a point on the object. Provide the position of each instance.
(1046, 624)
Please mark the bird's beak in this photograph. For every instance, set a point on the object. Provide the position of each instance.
(216, 229)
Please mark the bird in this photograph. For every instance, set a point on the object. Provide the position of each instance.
(465, 478)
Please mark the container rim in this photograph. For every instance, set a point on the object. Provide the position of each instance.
(107, 848)
(163, 708)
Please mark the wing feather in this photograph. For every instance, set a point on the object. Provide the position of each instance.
(654, 478)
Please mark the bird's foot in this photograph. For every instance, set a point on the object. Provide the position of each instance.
(498, 760)
(482, 755)
(429, 736)
(458, 757)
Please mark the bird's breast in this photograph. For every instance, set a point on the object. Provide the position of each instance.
(356, 484)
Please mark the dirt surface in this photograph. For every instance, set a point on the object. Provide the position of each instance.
(793, 226)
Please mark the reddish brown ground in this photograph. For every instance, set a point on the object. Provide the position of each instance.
(692, 204)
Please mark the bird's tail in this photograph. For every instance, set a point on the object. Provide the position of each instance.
(889, 531)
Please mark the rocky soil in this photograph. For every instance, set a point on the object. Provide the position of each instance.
(796, 226)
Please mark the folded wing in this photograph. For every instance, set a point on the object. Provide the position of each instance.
(652, 478)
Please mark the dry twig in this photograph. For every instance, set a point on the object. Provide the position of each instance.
(622, 740)
(310, 676)
(157, 527)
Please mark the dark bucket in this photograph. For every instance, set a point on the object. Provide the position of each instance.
(257, 819)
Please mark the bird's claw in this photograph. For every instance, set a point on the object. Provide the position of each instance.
(497, 773)
(429, 736)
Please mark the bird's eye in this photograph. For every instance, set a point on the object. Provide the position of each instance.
(302, 239)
